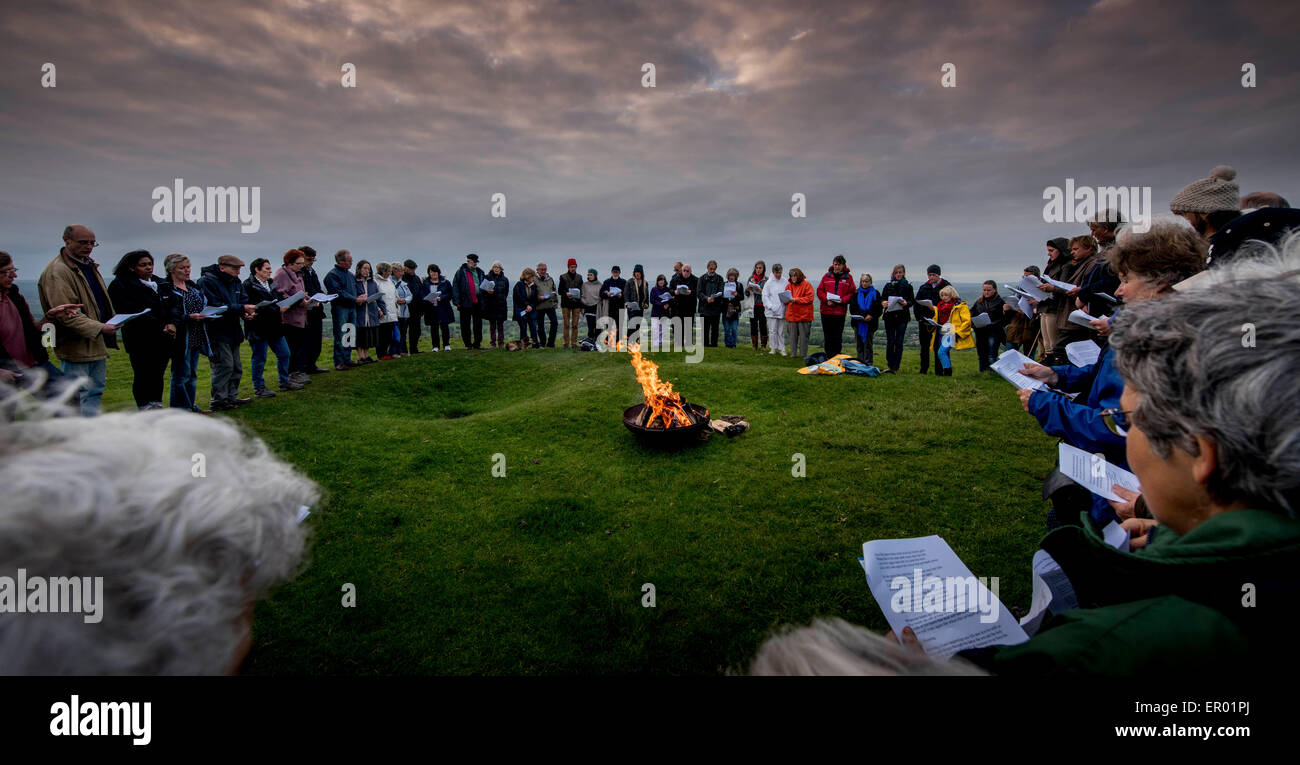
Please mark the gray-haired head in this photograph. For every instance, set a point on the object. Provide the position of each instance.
(383, 269)
(182, 558)
(1222, 364)
(172, 261)
(835, 647)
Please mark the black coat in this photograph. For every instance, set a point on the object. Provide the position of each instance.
(874, 310)
(143, 333)
(929, 292)
(711, 284)
(221, 288)
(311, 284)
(267, 324)
(995, 308)
(524, 296)
(494, 302)
(684, 305)
(440, 313)
(900, 288)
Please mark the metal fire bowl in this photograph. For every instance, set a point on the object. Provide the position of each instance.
(667, 438)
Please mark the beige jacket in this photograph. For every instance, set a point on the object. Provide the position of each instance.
(78, 338)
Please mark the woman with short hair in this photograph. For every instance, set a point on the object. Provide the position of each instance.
(496, 288)
(799, 313)
(437, 307)
(388, 320)
(897, 315)
(191, 333)
(368, 314)
(148, 338)
(865, 309)
(989, 338)
(834, 291)
(288, 281)
(266, 330)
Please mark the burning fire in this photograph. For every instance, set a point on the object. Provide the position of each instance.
(662, 404)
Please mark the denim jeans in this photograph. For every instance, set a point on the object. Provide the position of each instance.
(730, 328)
(185, 377)
(92, 391)
(341, 315)
(281, 350)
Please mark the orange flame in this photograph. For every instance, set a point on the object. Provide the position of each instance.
(665, 406)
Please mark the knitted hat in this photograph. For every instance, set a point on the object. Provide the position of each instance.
(934, 270)
(637, 269)
(616, 268)
(591, 271)
(573, 262)
(1218, 192)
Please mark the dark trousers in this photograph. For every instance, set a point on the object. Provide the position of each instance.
(758, 327)
(446, 334)
(987, 342)
(471, 326)
(833, 327)
(412, 333)
(926, 332)
(528, 328)
(312, 344)
(296, 337)
(711, 330)
(865, 350)
(546, 315)
(148, 363)
(590, 313)
(894, 334)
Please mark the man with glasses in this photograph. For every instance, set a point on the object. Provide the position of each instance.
(81, 339)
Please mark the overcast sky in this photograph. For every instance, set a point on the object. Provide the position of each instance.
(543, 102)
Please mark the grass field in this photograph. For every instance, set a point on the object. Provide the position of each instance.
(541, 571)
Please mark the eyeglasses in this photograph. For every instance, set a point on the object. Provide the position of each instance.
(1116, 421)
(7, 271)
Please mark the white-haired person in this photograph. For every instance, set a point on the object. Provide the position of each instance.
(388, 321)
(774, 308)
(1211, 418)
(169, 567)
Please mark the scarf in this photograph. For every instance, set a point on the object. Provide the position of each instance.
(865, 299)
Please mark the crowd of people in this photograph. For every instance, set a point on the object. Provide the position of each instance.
(1194, 391)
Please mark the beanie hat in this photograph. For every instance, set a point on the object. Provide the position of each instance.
(573, 262)
(637, 269)
(934, 270)
(591, 271)
(1213, 194)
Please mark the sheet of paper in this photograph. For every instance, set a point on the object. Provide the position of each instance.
(122, 318)
(432, 297)
(1009, 365)
(213, 310)
(1030, 286)
(1083, 353)
(1094, 473)
(894, 303)
(729, 289)
(922, 584)
(1025, 307)
(1082, 318)
(1108, 298)
(322, 297)
(573, 292)
(1115, 536)
(833, 297)
(1060, 285)
(981, 320)
(293, 299)
(615, 292)
(1053, 592)
(926, 303)
(372, 298)
(786, 296)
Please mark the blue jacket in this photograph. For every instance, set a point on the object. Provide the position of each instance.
(340, 281)
(1081, 425)
(221, 288)
(440, 314)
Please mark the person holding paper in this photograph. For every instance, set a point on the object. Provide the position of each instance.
(21, 349)
(613, 297)
(266, 330)
(898, 292)
(546, 304)
(404, 301)
(865, 308)
(954, 331)
(799, 314)
(1148, 265)
(929, 293)
(1102, 279)
(660, 307)
(755, 306)
(1083, 254)
(571, 302)
(148, 339)
(711, 303)
(466, 289)
(81, 338)
(685, 288)
(732, 297)
(369, 312)
(315, 314)
(415, 308)
(774, 308)
(990, 337)
(222, 287)
(525, 304)
(288, 281)
(496, 292)
(834, 292)
(191, 332)
(1058, 265)
(344, 308)
(591, 302)
(437, 311)
(1210, 425)
(388, 318)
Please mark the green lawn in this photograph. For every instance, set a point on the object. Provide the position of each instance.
(541, 571)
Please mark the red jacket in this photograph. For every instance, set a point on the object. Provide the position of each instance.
(800, 306)
(842, 286)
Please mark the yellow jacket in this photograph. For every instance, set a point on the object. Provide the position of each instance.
(964, 336)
